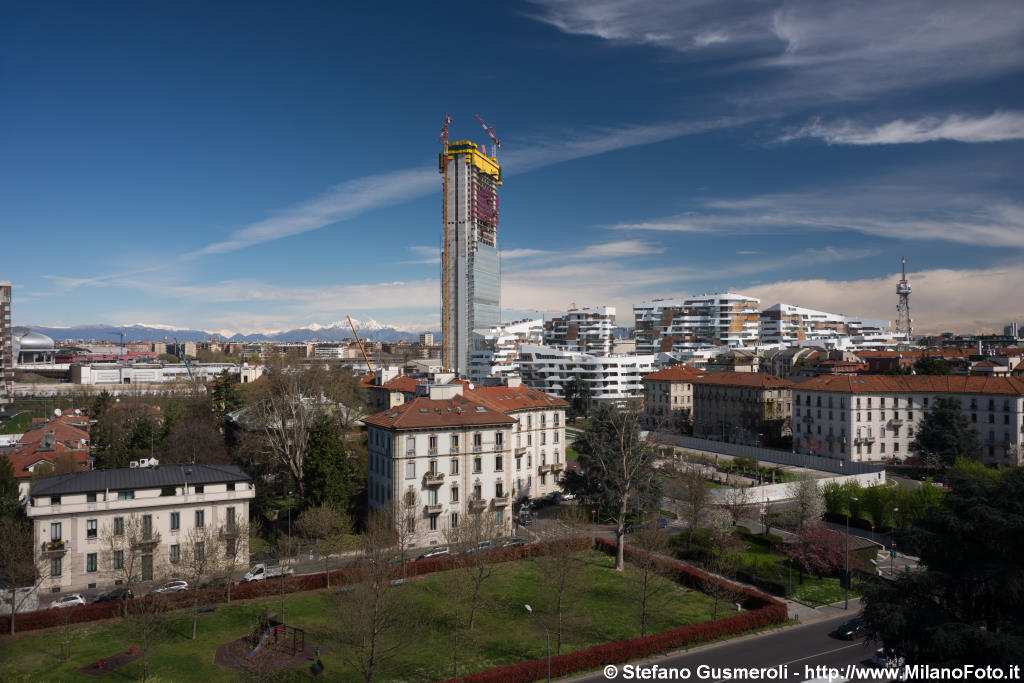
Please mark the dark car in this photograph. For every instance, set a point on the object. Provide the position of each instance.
(850, 630)
(217, 582)
(115, 594)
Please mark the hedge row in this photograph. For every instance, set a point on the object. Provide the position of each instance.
(765, 611)
(49, 618)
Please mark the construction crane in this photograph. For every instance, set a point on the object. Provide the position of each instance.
(495, 142)
(360, 342)
(179, 350)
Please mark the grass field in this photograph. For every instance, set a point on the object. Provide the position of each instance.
(603, 608)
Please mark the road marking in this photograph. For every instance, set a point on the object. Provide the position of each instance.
(794, 661)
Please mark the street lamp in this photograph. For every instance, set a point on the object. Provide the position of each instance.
(846, 577)
(892, 538)
(547, 636)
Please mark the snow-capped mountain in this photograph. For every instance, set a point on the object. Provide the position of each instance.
(371, 330)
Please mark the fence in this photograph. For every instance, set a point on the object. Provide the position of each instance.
(738, 450)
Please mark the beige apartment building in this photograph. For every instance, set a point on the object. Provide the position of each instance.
(668, 395)
(741, 407)
(73, 514)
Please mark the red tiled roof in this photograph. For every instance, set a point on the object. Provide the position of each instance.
(59, 431)
(505, 399)
(423, 412)
(934, 384)
(744, 379)
(22, 460)
(404, 383)
(675, 373)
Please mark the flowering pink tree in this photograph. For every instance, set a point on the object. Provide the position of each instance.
(818, 551)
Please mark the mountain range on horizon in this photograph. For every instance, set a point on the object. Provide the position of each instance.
(370, 330)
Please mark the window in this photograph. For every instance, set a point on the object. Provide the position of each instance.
(91, 529)
(519, 463)
(55, 532)
(529, 439)
(477, 465)
(455, 494)
(175, 521)
(410, 470)
(229, 518)
(200, 518)
(147, 526)
(529, 421)
(54, 500)
(410, 446)
(168, 491)
(55, 567)
(556, 419)
(175, 553)
(432, 467)
(433, 522)
(199, 488)
(478, 492)
(499, 463)
(499, 516)
(556, 437)
(432, 444)
(477, 440)
(410, 525)
(454, 469)
(230, 547)
(117, 561)
(126, 495)
(90, 498)
(455, 519)
(432, 497)
(543, 478)
(543, 438)
(231, 486)
(499, 439)
(198, 550)
(119, 526)
(499, 490)
(90, 562)
(529, 460)
(455, 442)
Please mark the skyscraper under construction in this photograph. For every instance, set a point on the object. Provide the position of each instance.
(470, 269)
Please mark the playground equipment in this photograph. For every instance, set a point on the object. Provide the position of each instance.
(275, 635)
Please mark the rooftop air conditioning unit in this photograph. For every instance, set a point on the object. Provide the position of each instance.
(134, 464)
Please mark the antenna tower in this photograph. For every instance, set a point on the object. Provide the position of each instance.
(903, 322)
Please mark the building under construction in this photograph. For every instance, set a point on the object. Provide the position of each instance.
(470, 268)
(6, 344)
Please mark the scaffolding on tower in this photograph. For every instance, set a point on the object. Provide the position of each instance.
(446, 333)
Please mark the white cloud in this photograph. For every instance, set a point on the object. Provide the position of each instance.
(513, 254)
(818, 49)
(996, 127)
(975, 300)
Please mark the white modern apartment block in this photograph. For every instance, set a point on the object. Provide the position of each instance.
(875, 417)
(72, 515)
(611, 379)
(792, 325)
(587, 330)
(495, 351)
(694, 323)
(159, 373)
(456, 451)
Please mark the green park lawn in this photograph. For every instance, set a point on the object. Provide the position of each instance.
(603, 608)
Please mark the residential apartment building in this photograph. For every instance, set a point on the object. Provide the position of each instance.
(6, 344)
(875, 417)
(455, 451)
(585, 330)
(73, 514)
(742, 407)
(46, 441)
(693, 323)
(788, 325)
(496, 350)
(610, 379)
(668, 395)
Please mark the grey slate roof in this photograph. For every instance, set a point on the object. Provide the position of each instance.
(137, 478)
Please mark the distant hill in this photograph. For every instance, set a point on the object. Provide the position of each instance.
(371, 330)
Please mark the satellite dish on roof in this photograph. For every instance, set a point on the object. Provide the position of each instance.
(77, 411)
(471, 387)
(56, 411)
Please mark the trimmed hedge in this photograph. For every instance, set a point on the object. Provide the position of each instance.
(765, 611)
(49, 618)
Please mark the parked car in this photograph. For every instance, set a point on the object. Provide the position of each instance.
(171, 587)
(886, 658)
(68, 601)
(854, 628)
(481, 546)
(261, 572)
(513, 543)
(119, 593)
(439, 551)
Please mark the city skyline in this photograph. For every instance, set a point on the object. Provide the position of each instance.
(274, 168)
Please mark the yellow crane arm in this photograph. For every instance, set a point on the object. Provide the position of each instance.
(360, 342)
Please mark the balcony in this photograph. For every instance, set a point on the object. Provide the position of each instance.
(520, 451)
(432, 509)
(434, 478)
(54, 548)
(228, 531)
(557, 467)
(432, 451)
(544, 468)
(477, 448)
(477, 504)
(896, 422)
(501, 501)
(807, 419)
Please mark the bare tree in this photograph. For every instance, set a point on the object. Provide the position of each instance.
(370, 613)
(22, 570)
(625, 462)
(737, 503)
(651, 541)
(325, 527)
(722, 564)
(234, 555)
(695, 497)
(561, 563)
(199, 560)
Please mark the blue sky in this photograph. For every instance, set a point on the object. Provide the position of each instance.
(262, 166)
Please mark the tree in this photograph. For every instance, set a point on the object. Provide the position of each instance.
(808, 499)
(818, 550)
(62, 464)
(199, 559)
(21, 573)
(10, 497)
(325, 527)
(834, 497)
(124, 432)
(693, 493)
(225, 396)
(623, 464)
(722, 564)
(946, 433)
(877, 502)
(966, 605)
(737, 503)
(649, 592)
(561, 563)
(192, 434)
(929, 365)
(578, 396)
(370, 613)
(329, 472)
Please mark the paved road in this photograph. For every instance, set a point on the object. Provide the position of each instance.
(797, 647)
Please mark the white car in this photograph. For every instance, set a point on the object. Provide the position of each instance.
(440, 551)
(171, 587)
(68, 601)
(886, 659)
